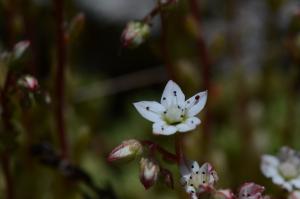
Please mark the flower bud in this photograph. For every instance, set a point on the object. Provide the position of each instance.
(128, 149)
(135, 33)
(223, 194)
(20, 48)
(149, 171)
(29, 82)
(251, 191)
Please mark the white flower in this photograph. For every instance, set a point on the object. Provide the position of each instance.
(294, 195)
(284, 169)
(197, 180)
(173, 113)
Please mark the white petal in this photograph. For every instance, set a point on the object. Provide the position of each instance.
(196, 103)
(150, 110)
(161, 128)
(195, 167)
(172, 95)
(296, 183)
(188, 124)
(269, 165)
(287, 186)
(190, 189)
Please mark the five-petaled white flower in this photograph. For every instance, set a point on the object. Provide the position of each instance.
(284, 169)
(196, 179)
(173, 113)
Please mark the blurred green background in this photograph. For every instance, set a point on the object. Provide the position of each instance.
(253, 78)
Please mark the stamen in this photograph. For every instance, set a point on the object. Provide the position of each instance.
(147, 108)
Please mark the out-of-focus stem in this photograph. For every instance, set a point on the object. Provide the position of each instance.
(206, 63)
(6, 168)
(164, 44)
(155, 11)
(6, 113)
(6, 117)
(60, 77)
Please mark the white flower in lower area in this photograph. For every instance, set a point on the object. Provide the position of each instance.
(197, 180)
(251, 190)
(174, 113)
(294, 195)
(284, 169)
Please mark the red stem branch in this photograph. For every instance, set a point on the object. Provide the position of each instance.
(60, 77)
(155, 147)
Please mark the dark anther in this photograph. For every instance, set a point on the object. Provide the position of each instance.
(147, 108)
(203, 173)
(203, 181)
(164, 98)
(197, 97)
(175, 94)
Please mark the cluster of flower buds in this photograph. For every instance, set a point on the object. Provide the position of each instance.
(127, 150)
(248, 190)
(135, 33)
(283, 169)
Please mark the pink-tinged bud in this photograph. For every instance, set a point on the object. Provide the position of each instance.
(223, 194)
(134, 34)
(20, 48)
(149, 171)
(251, 191)
(127, 150)
(29, 82)
(294, 195)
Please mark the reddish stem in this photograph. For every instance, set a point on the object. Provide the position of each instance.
(155, 11)
(60, 77)
(154, 147)
(206, 63)
(164, 44)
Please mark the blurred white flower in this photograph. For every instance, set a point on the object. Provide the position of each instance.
(251, 190)
(135, 33)
(173, 113)
(29, 82)
(284, 169)
(196, 179)
(294, 195)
